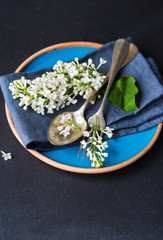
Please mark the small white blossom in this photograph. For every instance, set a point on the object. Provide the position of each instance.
(59, 63)
(86, 134)
(60, 128)
(89, 61)
(108, 132)
(83, 143)
(104, 145)
(65, 132)
(65, 117)
(76, 60)
(6, 156)
(97, 164)
(84, 64)
(102, 61)
(73, 71)
(93, 164)
(105, 154)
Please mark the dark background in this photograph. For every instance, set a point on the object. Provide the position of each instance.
(40, 202)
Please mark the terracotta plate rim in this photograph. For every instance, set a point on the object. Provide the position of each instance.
(60, 165)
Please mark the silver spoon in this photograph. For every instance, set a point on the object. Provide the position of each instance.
(54, 137)
(120, 52)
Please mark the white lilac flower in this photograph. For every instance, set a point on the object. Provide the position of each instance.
(93, 164)
(73, 101)
(58, 88)
(65, 117)
(83, 143)
(108, 132)
(73, 71)
(97, 146)
(6, 156)
(97, 164)
(87, 93)
(60, 128)
(25, 107)
(50, 107)
(65, 132)
(105, 154)
(102, 61)
(40, 110)
(86, 134)
(67, 125)
(75, 91)
(84, 64)
(24, 100)
(89, 61)
(68, 116)
(76, 60)
(40, 102)
(104, 145)
(59, 63)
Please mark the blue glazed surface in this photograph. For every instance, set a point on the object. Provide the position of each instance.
(120, 149)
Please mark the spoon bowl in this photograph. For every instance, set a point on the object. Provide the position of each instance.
(54, 135)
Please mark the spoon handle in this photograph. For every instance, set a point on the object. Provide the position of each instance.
(120, 52)
(133, 50)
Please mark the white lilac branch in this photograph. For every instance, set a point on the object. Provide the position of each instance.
(55, 90)
(95, 144)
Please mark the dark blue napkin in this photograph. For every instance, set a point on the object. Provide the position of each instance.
(32, 127)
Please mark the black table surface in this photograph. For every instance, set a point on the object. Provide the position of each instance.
(40, 202)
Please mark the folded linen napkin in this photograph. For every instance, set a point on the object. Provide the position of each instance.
(32, 127)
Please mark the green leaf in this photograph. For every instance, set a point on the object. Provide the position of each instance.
(123, 93)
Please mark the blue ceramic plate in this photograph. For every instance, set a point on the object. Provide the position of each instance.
(122, 151)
